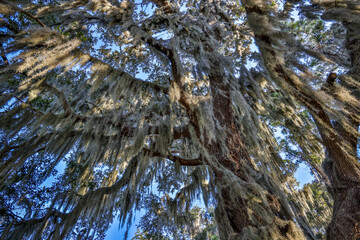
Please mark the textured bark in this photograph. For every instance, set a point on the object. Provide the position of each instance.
(249, 206)
(345, 223)
(240, 217)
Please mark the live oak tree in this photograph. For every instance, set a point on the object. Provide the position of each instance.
(189, 94)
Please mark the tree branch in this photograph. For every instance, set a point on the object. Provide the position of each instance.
(65, 104)
(182, 161)
(151, 85)
(71, 217)
(17, 9)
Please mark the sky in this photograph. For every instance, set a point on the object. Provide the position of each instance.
(116, 232)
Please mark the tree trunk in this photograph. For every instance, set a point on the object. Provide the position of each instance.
(345, 223)
(245, 210)
(249, 204)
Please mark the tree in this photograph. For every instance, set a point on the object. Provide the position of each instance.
(130, 92)
(197, 224)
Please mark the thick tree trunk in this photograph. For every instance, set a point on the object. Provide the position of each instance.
(247, 211)
(249, 203)
(345, 223)
(345, 182)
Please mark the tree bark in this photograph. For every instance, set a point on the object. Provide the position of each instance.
(249, 204)
(345, 223)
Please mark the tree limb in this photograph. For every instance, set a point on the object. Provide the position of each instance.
(16, 8)
(151, 85)
(65, 104)
(182, 161)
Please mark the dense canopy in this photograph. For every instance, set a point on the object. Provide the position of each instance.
(156, 104)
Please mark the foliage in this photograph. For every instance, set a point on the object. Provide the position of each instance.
(190, 96)
(156, 224)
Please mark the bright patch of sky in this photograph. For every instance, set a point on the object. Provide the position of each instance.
(116, 231)
(59, 169)
(303, 175)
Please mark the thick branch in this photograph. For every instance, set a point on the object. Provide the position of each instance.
(182, 161)
(151, 85)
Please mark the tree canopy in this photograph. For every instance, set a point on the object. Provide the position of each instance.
(212, 99)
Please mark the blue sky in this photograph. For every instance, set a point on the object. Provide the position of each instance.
(118, 232)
